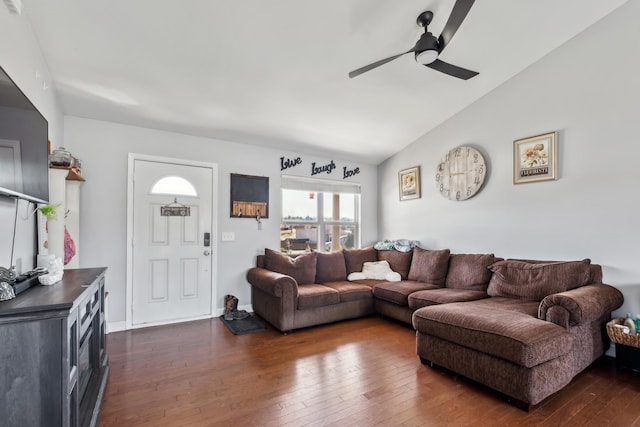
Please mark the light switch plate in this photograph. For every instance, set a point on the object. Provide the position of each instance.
(228, 236)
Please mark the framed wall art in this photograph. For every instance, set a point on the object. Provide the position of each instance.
(249, 196)
(409, 183)
(535, 158)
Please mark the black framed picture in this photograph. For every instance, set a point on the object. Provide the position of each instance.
(249, 196)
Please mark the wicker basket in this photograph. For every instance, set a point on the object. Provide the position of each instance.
(618, 337)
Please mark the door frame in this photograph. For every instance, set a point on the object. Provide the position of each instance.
(214, 233)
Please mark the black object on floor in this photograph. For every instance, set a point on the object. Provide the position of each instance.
(247, 325)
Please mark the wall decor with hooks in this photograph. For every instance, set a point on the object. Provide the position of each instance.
(249, 197)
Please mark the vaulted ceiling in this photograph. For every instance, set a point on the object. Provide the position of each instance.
(275, 73)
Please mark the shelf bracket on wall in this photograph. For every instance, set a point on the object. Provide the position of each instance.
(72, 175)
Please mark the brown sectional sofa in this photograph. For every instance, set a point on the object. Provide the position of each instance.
(522, 327)
(315, 290)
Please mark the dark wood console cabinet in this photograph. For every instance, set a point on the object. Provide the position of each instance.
(53, 364)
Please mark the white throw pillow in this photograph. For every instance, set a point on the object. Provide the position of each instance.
(376, 270)
(392, 276)
(356, 275)
(379, 270)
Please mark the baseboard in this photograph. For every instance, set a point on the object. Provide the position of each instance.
(116, 326)
(122, 326)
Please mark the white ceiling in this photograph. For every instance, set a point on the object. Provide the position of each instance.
(275, 72)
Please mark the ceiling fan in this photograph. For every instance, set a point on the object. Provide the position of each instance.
(428, 47)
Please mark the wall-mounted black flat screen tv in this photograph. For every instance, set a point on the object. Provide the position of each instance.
(24, 135)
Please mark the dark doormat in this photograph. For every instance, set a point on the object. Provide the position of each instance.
(247, 325)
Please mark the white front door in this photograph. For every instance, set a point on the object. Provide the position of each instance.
(172, 256)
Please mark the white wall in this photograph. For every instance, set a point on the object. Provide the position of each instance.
(591, 211)
(588, 90)
(103, 149)
(20, 56)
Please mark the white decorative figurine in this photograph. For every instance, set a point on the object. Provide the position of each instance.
(55, 272)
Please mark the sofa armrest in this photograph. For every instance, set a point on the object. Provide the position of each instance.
(274, 297)
(581, 305)
(276, 284)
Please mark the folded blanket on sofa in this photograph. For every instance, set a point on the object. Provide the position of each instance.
(402, 245)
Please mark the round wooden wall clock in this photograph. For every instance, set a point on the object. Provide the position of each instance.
(460, 173)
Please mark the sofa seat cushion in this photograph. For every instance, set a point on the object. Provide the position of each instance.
(350, 291)
(443, 296)
(314, 295)
(530, 308)
(398, 292)
(368, 282)
(509, 335)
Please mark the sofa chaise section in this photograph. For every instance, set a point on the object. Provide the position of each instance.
(541, 325)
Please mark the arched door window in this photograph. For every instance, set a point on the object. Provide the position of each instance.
(174, 186)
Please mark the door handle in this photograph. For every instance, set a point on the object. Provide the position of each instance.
(207, 252)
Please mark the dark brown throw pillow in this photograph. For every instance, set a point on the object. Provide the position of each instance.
(534, 281)
(469, 271)
(354, 258)
(429, 266)
(330, 267)
(302, 268)
(400, 262)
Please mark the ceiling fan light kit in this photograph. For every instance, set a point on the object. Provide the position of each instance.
(428, 48)
(426, 57)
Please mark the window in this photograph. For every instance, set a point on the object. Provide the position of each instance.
(319, 215)
(173, 185)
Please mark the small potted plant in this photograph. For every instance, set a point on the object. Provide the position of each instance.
(48, 211)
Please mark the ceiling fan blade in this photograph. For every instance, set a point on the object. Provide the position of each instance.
(452, 70)
(459, 12)
(376, 64)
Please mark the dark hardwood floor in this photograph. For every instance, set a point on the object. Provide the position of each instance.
(359, 372)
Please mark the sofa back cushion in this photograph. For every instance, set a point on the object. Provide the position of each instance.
(429, 266)
(354, 258)
(469, 271)
(400, 262)
(595, 270)
(302, 268)
(330, 267)
(534, 281)
(595, 273)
